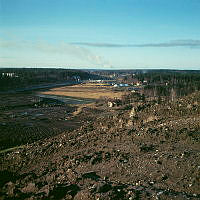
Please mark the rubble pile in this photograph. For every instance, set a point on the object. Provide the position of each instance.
(144, 151)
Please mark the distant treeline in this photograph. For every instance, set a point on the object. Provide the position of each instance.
(142, 71)
(159, 83)
(22, 77)
(170, 83)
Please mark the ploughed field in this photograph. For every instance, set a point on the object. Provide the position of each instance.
(25, 118)
(146, 150)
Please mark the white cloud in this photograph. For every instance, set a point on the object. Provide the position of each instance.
(174, 43)
(80, 53)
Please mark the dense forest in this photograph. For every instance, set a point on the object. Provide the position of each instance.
(24, 77)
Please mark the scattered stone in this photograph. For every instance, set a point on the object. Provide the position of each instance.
(110, 104)
(83, 195)
(10, 188)
(30, 188)
(45, 189)
(71, 175)
(150, 119)
(132, 113)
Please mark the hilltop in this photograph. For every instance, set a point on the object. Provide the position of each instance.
(145, 150)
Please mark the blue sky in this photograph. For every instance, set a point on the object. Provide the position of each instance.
(109, 34)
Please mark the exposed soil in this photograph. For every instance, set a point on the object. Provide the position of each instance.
(144, 151)
(26, 118)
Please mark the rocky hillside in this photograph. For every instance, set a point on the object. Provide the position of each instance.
(139, 151)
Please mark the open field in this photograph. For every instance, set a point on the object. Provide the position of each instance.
(88, 90)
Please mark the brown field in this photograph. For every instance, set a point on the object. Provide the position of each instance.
(89, 90)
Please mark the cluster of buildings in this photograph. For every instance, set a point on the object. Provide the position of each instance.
(9, 74)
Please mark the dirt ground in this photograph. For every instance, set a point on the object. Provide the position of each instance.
(143, 151)
(26, 118)
(88, 90)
